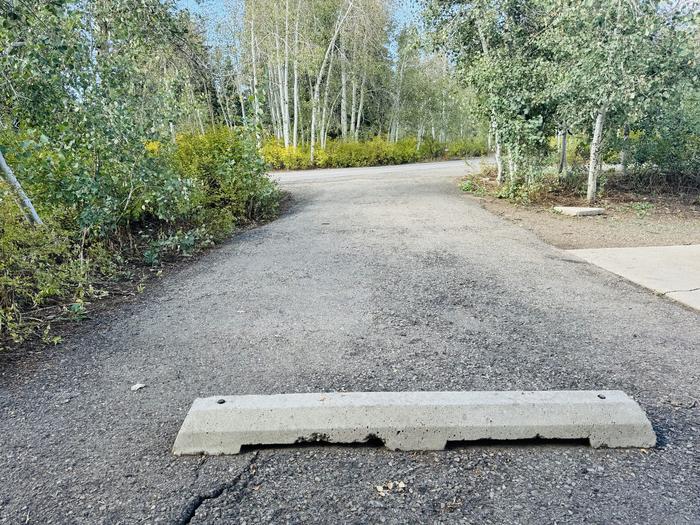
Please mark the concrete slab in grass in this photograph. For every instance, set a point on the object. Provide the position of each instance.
(412, 420)
(669, 270)
(576, 211)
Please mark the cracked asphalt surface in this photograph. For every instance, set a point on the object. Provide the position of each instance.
(374, 279)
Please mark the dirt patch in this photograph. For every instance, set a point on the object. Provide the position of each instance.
(659, 221)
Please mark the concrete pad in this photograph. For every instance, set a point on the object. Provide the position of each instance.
(690, 298)
(412, 420)
(576, 211)
(670, 270)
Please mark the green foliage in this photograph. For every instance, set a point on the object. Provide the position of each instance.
(374, 152)
(470, 185)
(37, 266)
(470, 147)
(541, 66)
(92, 93)
(229, 176)
(642, 209)
(662, 151)
(220, 180)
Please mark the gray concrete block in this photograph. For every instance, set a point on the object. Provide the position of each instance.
(412, 420)
(576, 211)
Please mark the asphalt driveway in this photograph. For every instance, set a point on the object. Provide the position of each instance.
(374, 279)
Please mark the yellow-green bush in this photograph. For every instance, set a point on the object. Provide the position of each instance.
(374, 152)
(469, 147)
(278, 157)
(229, 175)
(171, 200)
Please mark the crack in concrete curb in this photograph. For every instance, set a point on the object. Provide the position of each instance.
(190, 509)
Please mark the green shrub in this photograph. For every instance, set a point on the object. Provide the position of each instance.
(156, 201)
(374, 152)
(38, 268)
(471, 185)
(229, 176)
(469, 147)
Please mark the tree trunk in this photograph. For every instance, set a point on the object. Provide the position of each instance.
(594, 162)
(282, 71)
(280, 94)
(295, 65)
(499, 159)
(623, 150)
(397, 102)
(241, 100)
(360, 107)
(562, 160)
(343, 97)
(317, 88)
(324, 111)
(353, 106)
(256, 100)
(286, 74)
(295, 133)
(272, 102)
(512, 167)
(25, 202)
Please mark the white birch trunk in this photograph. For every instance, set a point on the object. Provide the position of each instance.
(241, 101)
(324, 113)
(343, 98)
(295, 67)
(256, 100)
(286, 75)
(25, 202)
(272, 102)
(353, 106)
(280, 94)
(358, 119)
(594, 161)
(499, 159)
(319, 79)
(562, 161)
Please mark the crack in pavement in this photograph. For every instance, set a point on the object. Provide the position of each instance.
(683, 290)
(189, 510)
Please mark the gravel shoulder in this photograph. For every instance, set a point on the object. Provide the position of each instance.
(386, 280)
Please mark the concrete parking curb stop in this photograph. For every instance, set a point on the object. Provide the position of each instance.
(412, 420)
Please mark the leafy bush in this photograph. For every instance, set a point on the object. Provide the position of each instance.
(470, 147)
(229, 176)
(173, 200)
(374, 152)
(278, 157)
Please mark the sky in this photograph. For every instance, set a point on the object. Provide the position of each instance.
(214, 10)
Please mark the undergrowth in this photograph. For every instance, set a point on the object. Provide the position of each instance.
(374, 152)
(103, 233)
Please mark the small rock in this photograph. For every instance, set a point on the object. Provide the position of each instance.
(137, 386)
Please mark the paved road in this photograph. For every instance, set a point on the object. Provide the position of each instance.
(386, 279)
